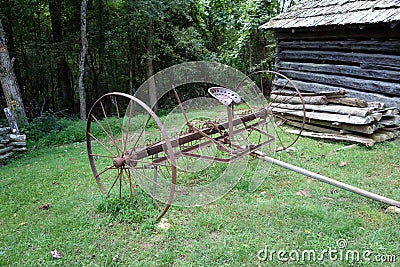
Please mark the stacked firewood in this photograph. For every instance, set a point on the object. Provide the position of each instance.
(334, 116)
(10, 143)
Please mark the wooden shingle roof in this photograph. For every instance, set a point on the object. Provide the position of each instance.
(316, 13)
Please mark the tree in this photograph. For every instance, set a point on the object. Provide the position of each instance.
(9, 81)
(63, 69)
(81, 87)
(129, 41)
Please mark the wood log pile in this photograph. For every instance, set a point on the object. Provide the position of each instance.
(10, 143)
(334, 116)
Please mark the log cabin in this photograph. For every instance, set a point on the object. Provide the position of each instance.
(325, 45)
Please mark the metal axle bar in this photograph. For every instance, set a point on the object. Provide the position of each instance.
(327, 180)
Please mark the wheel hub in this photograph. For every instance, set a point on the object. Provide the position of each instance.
(118, 162)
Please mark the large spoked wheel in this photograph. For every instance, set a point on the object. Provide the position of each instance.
(284, 103)
(130, 154)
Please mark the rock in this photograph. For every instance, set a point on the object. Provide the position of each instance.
(393, 209)
(303, 193)
(56, 254)
(164, 224)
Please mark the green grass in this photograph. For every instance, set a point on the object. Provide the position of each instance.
(90, 229)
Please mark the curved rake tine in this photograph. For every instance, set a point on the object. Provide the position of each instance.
(133, 189)
(158, 206)
(147, 178)
(140, 135)
(280, 140)
(283, 118)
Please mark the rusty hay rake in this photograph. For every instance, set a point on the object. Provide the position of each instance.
(161, 163)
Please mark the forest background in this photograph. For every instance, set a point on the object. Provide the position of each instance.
(128, 41)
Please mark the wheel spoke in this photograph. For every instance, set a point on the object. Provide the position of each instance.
(130, 188)
(109, 127)
(104, 129)
(106, 169)
(120, 123)
(101, 156)
(102, 144)
(120, 183)
(115, 181)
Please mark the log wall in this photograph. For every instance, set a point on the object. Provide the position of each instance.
(360, 61)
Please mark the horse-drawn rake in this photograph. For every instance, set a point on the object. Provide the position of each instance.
(198, 152)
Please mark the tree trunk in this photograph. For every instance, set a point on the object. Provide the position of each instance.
(102, 38)
(64, 80)
(150, 67)
(103, 70)
(63, 70)
(8, 27)
(9, 81)
(81, 87)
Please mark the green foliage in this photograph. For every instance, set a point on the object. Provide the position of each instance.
(120, 209)
(90, 229)
(214, 30)
(50, 129)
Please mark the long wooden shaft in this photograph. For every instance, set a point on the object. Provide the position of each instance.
(327, 180)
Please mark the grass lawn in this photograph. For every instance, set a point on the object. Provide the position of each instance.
(244, 228)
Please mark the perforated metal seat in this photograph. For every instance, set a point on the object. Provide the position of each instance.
(224, 95)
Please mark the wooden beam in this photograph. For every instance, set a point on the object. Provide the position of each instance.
(329, 116)
(389, 88)
(390, 112)
(354, 71)
(388, 121)
(365, 129)
(328, 94)
(337, 32)
(342, 45)
(317, 87)
(379, 67)
(349, 101)
(336, 137)
(383, 135)
(5, 130)
(338, 109)
(332, 56)
(314, 128)
(6, 156)
(6, 149)
(318, 100)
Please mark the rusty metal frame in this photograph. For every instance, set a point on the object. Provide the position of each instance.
(224, 141)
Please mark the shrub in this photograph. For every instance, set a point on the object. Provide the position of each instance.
(50, 129)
